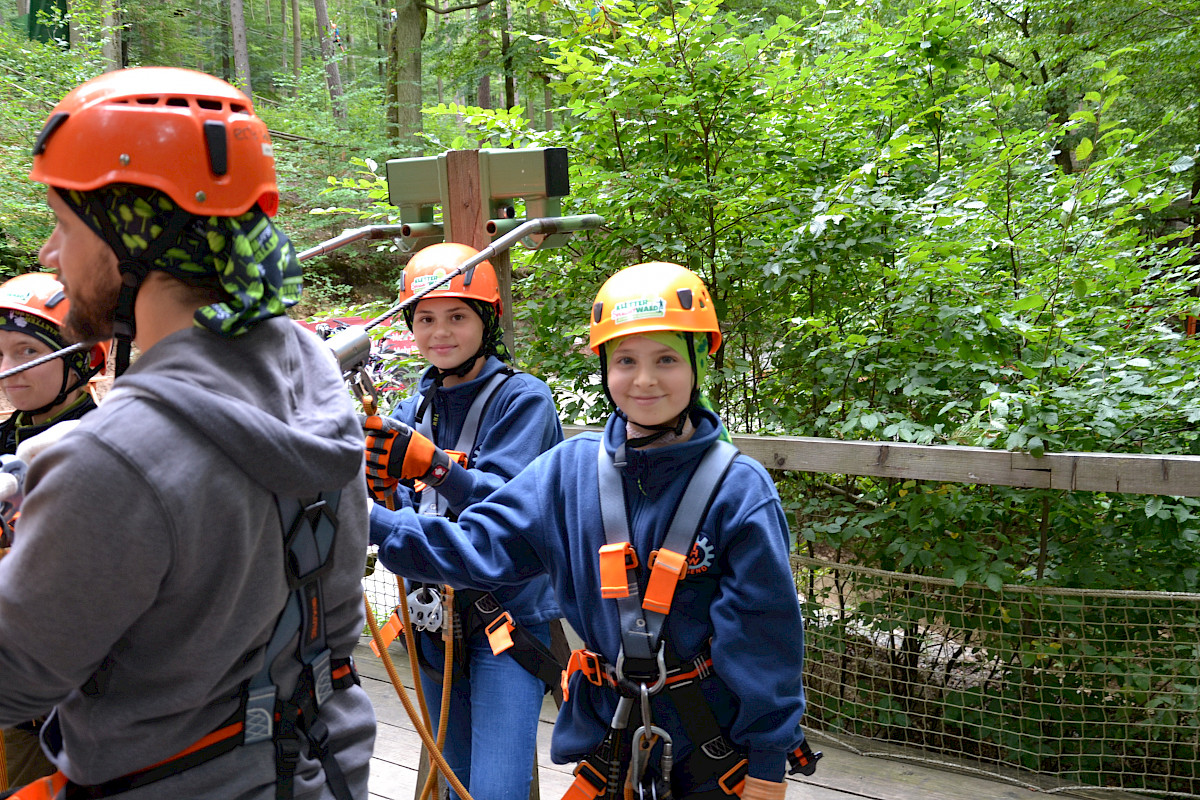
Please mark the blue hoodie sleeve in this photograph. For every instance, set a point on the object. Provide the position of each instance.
(495, 543)
(519, 426)
(757, 599)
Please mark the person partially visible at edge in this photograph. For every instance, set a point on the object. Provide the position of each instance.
(491, 727)
(32, 309)
(139, 598)
(731, 637)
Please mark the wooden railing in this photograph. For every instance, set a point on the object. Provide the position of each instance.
(1086, 472)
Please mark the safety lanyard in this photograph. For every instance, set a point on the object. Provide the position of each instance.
(430, 501)
(642, 619)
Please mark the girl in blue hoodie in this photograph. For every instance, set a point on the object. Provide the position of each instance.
(470, 401)
(690, 683)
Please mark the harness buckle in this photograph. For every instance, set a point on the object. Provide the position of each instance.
(588, 784)
(499, 633)
(733, 781)
(667, 568)
(260, 714)
(616, 561)
(390, 630)
(803, 759)
(322, 678)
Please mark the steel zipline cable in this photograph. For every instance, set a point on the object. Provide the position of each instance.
(37, 362)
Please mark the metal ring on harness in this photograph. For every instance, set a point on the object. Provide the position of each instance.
(662, 672)
(425, 608)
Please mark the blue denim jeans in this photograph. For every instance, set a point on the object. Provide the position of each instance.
(491, 733)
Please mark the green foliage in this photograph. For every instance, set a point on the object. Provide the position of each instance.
(33, 76)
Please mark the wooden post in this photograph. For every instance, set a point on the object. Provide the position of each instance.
(465, 214)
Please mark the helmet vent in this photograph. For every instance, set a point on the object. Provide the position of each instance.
(238, 108)
(685, 298)
(218, 155)
(177, 101)
(206, 103)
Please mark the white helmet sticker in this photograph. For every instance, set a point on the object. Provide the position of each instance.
(642, 308)
(422, 281)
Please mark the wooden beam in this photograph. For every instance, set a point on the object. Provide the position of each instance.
(1086, 472)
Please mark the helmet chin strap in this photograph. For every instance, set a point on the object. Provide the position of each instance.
(64, 390)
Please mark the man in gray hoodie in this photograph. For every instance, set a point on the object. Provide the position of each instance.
(184, 586)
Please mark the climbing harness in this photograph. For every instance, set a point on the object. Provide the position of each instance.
(479, 611)
(644, 669)
(309, 530)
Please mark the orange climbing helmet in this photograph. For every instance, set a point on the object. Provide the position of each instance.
(40, 295)
(653, 297)
(438, 261)
(185, 133)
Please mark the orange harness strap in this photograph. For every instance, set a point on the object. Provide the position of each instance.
(598, 672)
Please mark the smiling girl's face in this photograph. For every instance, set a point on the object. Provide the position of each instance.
(649, 381)
(447, 331)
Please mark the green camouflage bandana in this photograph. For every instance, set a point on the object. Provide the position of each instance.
(247, 256)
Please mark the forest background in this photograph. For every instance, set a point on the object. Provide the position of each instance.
(934, 221)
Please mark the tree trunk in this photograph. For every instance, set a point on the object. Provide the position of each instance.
(267, 3)
(383, 28)
(241, 55)
(402, 89)
(333, 78)
(110, 48)
(510, 80)
(441, 88)
(296, 42)
(283, 61)
(226, 72)
(483, 97)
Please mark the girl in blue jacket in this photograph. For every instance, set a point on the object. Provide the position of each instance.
(470, 401)
(690, 683)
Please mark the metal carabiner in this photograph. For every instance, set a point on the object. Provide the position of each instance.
(643, 743)
(364, 389)
(662, 670)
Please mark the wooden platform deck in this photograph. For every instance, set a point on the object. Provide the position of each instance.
(841, 775)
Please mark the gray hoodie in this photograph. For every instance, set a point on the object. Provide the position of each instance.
(147, 571)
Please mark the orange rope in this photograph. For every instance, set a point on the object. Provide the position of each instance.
(434, 754)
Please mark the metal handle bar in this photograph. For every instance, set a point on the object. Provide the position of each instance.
(546, 225)
(354, 235)
(352, 347)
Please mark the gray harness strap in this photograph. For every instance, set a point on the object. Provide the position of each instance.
(642, 628)
(430, 502)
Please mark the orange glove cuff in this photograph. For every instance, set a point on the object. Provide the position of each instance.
(418, 458)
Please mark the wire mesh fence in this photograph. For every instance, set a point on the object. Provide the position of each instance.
(381, 588)
(1056, 689)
